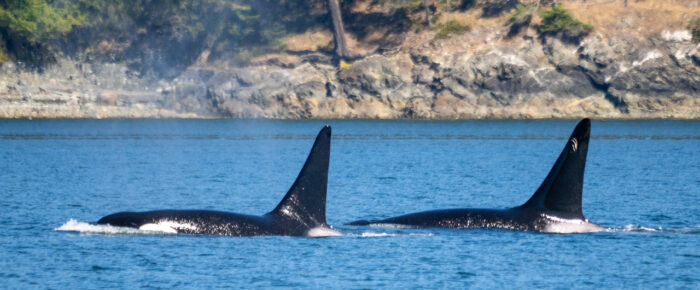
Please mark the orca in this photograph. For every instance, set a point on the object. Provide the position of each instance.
(554, 208)
(302, 211)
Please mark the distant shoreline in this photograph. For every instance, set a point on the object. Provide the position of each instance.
(627, 68)
(336, 119)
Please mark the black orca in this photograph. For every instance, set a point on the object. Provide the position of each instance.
(555, 207)
(302, 212)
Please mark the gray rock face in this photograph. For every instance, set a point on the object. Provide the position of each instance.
(377, 77)
(614, 77)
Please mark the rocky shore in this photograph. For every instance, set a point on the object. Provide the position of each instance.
(479, 74)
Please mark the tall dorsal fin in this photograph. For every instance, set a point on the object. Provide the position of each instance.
(561, 190)
(306, 199)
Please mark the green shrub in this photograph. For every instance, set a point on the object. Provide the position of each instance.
(521, 18)
(559, 20)
(523, 13)
(418, 22)
(450, 27)
(3, 56)
(30, 27)
(36, 20)
(695, 29)
(495, 8)
(151, 34)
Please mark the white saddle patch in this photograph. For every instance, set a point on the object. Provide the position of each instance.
(569, 226)
(167, 226)
(158, 228)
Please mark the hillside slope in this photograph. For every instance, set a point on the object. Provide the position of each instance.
(638, 62)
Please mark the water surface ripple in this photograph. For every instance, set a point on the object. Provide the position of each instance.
(642, 183)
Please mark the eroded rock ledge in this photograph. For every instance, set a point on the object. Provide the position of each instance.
(527, 77)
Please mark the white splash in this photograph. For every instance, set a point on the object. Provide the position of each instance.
(677, 36)
(380, 234)
(323, 232)
(89, 228)
(373, 234)
(642, 229)
(638, 228)
(391, 226)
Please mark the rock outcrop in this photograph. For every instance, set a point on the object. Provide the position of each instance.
(480, 74)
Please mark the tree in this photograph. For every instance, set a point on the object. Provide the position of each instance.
(428, 21)
(28, 26)
(545, 3)
(341, 48)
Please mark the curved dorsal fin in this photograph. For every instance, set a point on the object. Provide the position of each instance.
(306, 199)
(561, 190)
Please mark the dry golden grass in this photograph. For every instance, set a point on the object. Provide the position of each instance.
(642, 18)
(281, 59)
(473, 19)
(308, 41)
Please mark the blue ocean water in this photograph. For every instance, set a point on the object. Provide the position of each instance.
(642, 183)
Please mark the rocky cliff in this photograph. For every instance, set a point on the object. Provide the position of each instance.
(626, 68)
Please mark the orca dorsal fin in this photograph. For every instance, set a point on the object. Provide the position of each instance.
(306, 199)
(561, 190)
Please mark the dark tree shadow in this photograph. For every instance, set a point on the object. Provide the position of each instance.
(495, 8)
(392, 26)
(466, 5)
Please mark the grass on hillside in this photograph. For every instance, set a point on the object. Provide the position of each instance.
(521, 18)
(560, 20)
(695, 29)
(450, 27)
(523, 13)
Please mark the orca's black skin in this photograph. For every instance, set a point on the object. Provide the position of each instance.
(300, 211)
(555, 206)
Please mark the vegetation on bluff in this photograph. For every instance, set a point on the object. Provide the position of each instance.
(291, 69)
(449, 27)
(695, 29)
(523, 13)
(559, 20)
(150, 33)
(28, 26)
(155, 37)
(521, 18)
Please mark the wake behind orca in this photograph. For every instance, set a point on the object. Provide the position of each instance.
(554, 208)
(302, 212)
